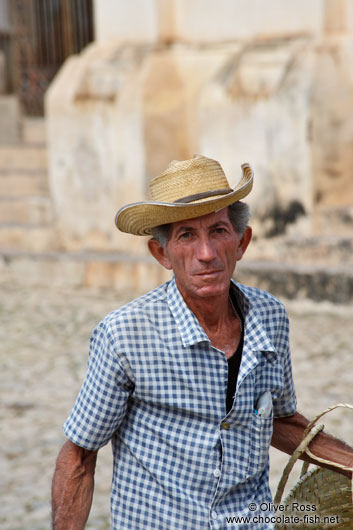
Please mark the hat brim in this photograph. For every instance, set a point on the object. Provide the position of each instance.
(139, 218)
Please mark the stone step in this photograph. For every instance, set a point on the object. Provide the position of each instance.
(36, 238)
(13, 183)
(325, 251)
(125, 273)
(332, 220)
(318, 283)
(34, 130)
(31, 210)
(10, 118)
(100, 270)
(23, 157)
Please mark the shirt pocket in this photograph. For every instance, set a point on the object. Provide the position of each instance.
(261, 434)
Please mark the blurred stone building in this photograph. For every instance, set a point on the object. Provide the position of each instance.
(240, 81)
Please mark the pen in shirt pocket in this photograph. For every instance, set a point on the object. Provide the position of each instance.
(263, 407)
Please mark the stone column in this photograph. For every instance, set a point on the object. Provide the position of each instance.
(332, 121)
(257, 110)
(96, 150)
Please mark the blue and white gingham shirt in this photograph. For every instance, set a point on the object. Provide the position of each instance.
(156, 388)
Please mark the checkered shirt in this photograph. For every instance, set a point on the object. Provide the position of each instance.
(156, 388)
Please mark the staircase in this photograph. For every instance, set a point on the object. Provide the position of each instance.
(26, 215)
(29, 248)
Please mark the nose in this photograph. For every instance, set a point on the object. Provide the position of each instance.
(205, 250)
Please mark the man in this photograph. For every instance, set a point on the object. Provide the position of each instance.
(190, 381)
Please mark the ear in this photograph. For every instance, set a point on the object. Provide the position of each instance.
(244, 243)
(159, 253)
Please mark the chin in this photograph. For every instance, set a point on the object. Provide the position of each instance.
(212, 290)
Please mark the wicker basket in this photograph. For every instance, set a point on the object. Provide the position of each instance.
(328, 491)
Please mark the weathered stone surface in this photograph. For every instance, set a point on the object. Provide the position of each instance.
(238, 83)
(36, 238)
(328, 251)
(34, 130)
(113, 128)
(96, 156)
(232, 102)
(332, 125)
(203, 21)
(26, 213)
(226, 20)
(81, 269)
(334, 220)
(172, 82)
(10, 119)
(23, 157)
(257, 110)
(337, 17)
(133, 21)
(301, 282)
(31, 210)
(24, 182)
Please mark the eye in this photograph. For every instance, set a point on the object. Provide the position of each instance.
(185, 235)
(219, 230)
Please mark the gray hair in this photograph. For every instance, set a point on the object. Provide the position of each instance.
(238, 212)
(239, 215)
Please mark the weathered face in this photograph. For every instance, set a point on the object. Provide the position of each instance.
(203, 253)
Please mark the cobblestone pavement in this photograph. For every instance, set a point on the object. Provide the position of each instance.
(44, 335)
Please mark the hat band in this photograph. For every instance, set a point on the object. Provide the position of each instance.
(203, 195)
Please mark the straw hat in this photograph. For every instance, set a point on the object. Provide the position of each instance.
(186, 189)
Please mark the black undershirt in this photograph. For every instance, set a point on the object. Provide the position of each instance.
(234, 360)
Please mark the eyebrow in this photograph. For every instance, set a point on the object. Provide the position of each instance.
(219, 223)
(186, 228)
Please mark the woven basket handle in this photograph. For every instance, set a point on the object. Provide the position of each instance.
(310, 426)
(309, 433)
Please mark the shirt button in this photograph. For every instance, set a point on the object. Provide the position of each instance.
(214, 515)
(217, 473)
(225, 426)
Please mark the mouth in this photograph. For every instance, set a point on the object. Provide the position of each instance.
(209, 273)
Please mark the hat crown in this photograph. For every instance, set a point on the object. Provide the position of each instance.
(197, 175)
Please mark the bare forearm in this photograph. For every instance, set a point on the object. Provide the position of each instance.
(73, 486)
(288, 433)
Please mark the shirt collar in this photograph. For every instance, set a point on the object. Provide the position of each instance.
(256, 334)
(189, 327)
(192, 332)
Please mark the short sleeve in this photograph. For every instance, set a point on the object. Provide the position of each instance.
(102, 401)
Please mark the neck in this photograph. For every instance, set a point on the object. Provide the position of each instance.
(218, 318)
(212, 312)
